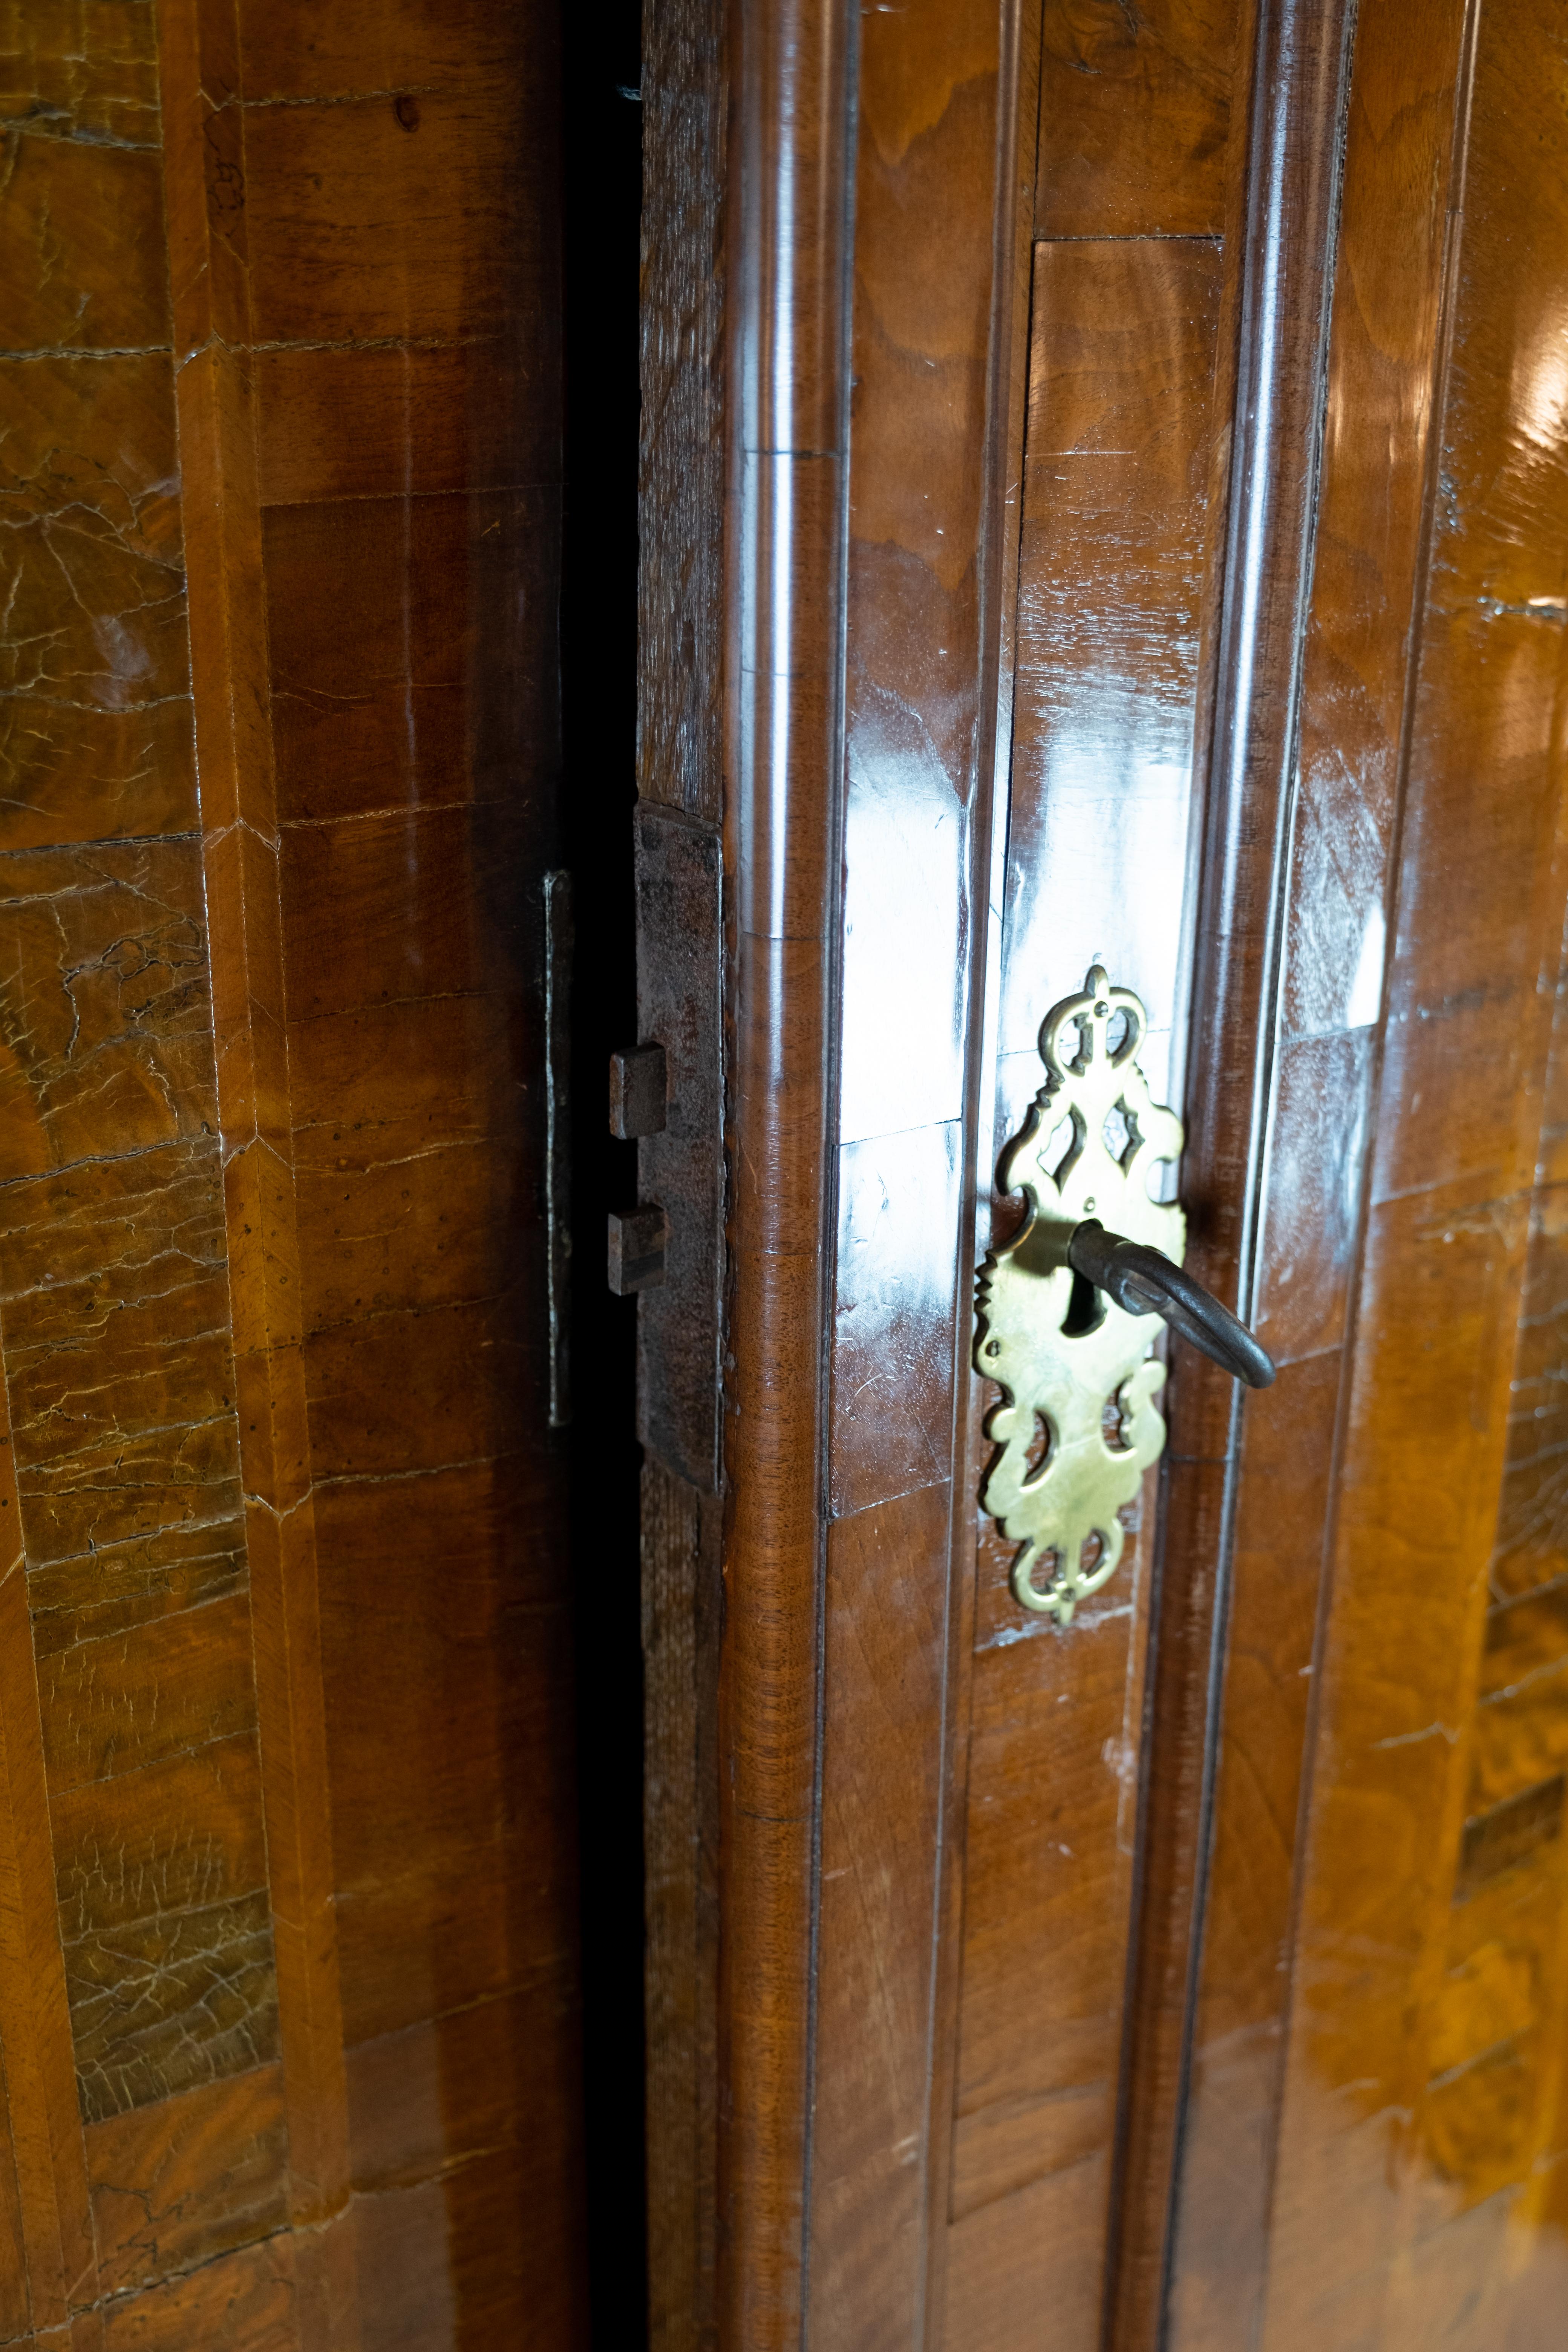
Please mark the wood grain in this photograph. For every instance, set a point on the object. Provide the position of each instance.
(1115, 555)
(211, 275)
(1118, 529)
(131, 1974)
(177, 2183)
(681, 491)
(90, 455)
(231, 1237)
(931, 326)
(1281, 225)
(681, 1637)
(881, 1783)
(1460, 2001)
(787, 430)
(46, 2214)
(1136, 118)
(1383, 359)
(1216, 677)
(1053, 1790)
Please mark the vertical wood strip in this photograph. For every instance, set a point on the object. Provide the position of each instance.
(681, 506)
(933, 220)
(1281, 267)
(790, 171)
(205, 182)
(1381, 410)
(45, 2120)
(680, 1579)
(680, 675)
(1415, 2144)
(1118, 514)
(1020, 62)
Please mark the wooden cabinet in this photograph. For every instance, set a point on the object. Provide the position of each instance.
(1104, 504)
(1143, 438)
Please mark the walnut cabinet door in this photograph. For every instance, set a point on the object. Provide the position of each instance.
(1106, 505)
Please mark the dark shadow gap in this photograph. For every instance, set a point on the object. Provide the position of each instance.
(602, 196)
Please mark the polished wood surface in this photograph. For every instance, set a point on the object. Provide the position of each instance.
(1431, 1841)
(930, 335)
(1192, 1977)
(287, 1881)
(786, 440)
(1383, 354)
(838, 1536)
(1104, 484)
(1137, 107)
(1237, 1076)
(903, 2136)
(1114, 555)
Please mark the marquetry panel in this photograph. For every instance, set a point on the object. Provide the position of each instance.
(138, 1698)
(287, 1872)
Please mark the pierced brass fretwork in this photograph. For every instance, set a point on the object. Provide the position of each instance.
(1074, 1366)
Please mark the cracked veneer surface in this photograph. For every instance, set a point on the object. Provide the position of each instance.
(105, 1011)
(165, 2003)
(113, 1304)
(61, 82)
(440, 1592)
(95, 713)
(114, 1308)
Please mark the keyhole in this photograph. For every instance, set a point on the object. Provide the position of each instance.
(1086, 1310)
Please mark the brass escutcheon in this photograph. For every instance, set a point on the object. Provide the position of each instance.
(1072, 1363)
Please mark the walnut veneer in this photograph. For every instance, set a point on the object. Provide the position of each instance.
(287, 1877)
(1154, 560)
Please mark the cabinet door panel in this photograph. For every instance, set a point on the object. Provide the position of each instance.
(1169, 578)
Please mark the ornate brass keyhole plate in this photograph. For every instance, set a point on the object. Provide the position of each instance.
(1074, 1365)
